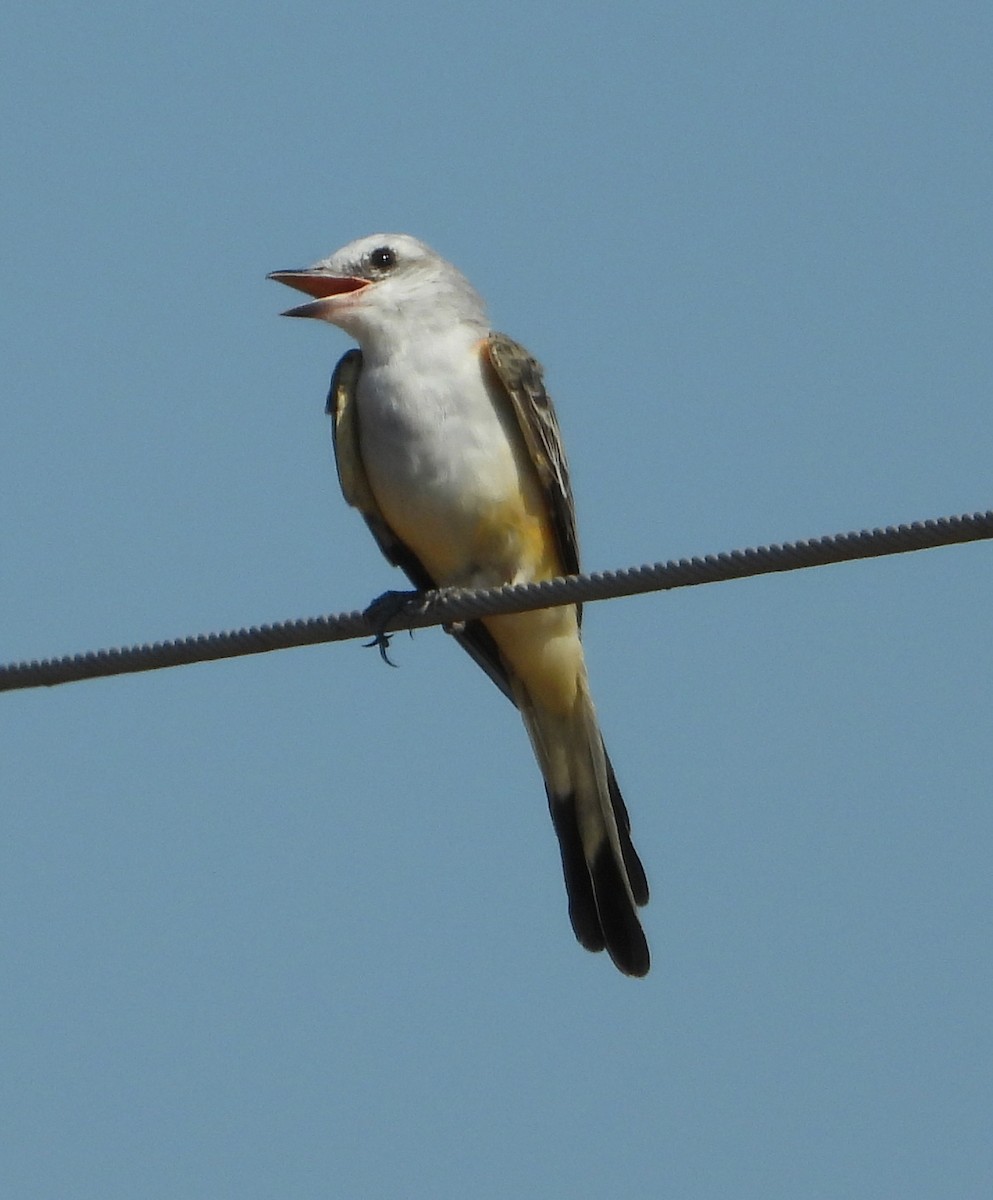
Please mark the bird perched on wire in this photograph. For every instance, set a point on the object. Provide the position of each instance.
(447, 443)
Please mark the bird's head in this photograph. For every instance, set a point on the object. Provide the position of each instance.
(385, 287)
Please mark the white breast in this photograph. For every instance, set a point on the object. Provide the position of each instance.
(435, 448)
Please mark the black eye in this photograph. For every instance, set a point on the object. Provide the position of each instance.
(383, 258)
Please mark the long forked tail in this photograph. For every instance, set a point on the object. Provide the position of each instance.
(605, 881)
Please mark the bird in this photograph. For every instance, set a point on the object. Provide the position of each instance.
(447, 443)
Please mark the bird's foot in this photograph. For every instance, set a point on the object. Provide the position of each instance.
(385, 609)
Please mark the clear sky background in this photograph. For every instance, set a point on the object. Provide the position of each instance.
(294, 925)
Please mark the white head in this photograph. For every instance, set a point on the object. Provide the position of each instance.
(386, 287)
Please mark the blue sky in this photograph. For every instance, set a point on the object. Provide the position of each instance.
(293, 925)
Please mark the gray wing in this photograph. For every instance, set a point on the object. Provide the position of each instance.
(352, 476)
(520, 376)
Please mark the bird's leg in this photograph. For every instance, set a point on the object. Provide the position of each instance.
(385, 609)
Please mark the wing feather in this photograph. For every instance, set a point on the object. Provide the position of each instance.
(520, 376)
(355, 486)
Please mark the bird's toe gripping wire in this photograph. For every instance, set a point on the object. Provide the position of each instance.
(383, 611)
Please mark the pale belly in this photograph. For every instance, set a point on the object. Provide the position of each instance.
(453, 481)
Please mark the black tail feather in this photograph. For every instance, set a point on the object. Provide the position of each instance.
(600, 907)
(622, 933)
(632, 863)
(578, 884)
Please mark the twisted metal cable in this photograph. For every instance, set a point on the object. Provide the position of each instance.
(454, 604)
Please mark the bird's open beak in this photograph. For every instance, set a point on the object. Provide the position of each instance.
(324, 288)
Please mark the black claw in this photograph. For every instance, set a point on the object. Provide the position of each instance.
(382, 611)
(382, 643)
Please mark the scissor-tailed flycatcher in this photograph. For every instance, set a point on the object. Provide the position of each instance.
(447, 443)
